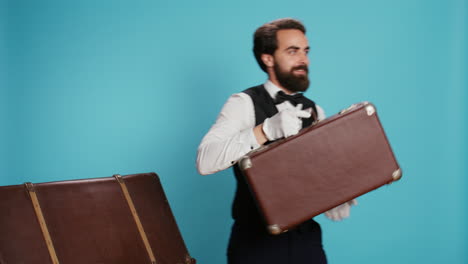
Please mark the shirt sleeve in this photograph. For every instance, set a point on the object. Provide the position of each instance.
(320, 113)
(231, 136)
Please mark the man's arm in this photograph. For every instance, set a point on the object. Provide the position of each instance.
(320, 113)
(232, 136)
(234, 133)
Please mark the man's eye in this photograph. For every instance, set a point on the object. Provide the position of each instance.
(292, 52)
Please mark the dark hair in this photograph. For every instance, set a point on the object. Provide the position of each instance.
(265, 41)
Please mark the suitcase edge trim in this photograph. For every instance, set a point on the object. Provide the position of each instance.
(136, 218)
(31, 189)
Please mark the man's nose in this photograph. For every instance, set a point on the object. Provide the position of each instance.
(304, 58)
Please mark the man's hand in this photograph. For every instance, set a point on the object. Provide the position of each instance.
(341, 211)
(285, 123)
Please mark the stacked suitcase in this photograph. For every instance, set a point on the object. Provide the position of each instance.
(114, 220)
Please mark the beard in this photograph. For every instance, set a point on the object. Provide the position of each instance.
(292, 82)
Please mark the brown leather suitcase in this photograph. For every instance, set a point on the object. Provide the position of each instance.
(325, 165)
(113, 220)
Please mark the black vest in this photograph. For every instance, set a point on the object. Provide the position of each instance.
(244, 210)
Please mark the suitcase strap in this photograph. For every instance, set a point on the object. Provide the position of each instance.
(136, 217)
(42, 223)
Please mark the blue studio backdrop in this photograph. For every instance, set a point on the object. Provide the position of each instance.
(94, 88)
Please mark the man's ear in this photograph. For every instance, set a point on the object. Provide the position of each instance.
(268, 60)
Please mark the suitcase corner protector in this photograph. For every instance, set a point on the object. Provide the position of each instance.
(370, 109)
(190, 260)
(396, 175)
(245, 163)
(274, 229)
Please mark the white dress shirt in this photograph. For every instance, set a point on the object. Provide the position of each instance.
(232, 136)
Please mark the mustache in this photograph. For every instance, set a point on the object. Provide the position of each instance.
(301, 67)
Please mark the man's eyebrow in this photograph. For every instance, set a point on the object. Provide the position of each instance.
(293, 47)
(296, 48)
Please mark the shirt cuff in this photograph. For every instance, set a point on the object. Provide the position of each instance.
(250, 139)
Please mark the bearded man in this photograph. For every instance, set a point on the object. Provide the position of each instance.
(258, 116)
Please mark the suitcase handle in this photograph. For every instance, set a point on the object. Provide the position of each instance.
(370, 108)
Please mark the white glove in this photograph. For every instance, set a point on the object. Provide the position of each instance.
(341, 211)
(285, 123)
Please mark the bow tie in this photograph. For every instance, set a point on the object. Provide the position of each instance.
(293, 99)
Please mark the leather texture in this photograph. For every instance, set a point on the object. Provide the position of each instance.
(325, 165)
(90, 221)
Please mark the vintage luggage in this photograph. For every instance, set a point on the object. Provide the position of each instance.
(113, 220)
(325, 165)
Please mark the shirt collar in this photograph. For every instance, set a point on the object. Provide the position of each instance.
(271, 88)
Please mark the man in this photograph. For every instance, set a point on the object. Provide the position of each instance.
(258, 116)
